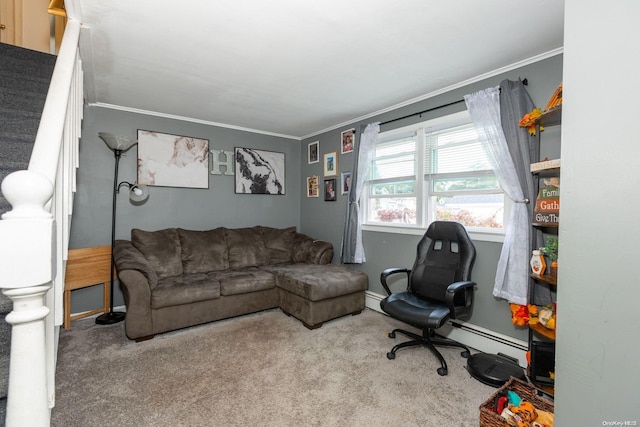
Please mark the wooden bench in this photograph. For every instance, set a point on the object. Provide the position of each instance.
(87, 267)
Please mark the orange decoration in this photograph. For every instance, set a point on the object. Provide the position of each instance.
(529, 121)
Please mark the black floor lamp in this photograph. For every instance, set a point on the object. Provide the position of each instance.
(137, 194)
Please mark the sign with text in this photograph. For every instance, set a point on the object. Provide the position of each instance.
(547, 208)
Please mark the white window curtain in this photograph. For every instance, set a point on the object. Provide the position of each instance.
(512, 276)
(352, 248)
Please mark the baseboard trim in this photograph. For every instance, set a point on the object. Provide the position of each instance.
(474, 336)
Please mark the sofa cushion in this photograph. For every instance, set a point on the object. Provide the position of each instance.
(184, 290)
(311, 251)
(243, 281)
(127, 257)
(203, 251)
(279, 244)
(161, 248)
(319, 282)
(246, 248)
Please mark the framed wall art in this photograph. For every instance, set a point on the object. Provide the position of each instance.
(347, 139)
(166, 160)
(330, 164)
(259, 171)
(313, 154)
(312, 186)
(345, 182)
(330, 190)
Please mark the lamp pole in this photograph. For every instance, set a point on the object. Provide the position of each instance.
(112, 316)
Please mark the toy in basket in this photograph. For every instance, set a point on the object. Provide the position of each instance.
(519, 404)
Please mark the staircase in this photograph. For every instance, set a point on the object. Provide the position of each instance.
(24, 82)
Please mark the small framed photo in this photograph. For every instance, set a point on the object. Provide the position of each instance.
(313, 152)
(345, 182)
(330, 190)
(312, 186)
(330, 166)
(347, 139)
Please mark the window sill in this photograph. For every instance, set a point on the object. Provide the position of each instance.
(480, 236)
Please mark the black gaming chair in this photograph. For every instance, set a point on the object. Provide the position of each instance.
(438, 288)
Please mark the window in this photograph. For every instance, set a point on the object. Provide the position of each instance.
(436, 170)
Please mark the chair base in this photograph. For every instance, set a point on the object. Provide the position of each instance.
(427, 340)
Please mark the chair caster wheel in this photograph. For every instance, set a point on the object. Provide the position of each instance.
(391, 356)
(442, 372)
(392, 335)
(465, 354)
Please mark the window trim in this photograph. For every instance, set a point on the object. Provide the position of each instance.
(432, 125)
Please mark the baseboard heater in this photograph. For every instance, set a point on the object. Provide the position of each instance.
(489, 335)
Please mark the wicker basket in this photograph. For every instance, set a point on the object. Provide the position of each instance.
(525, 391)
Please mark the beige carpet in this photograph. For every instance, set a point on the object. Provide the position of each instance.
(264, 369)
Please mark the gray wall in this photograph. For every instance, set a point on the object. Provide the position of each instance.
(598, 343)
(324, 219)
(197, 209)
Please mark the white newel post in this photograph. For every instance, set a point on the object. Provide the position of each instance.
(26, 275)
(27, 394)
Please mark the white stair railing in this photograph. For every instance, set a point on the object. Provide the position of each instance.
(34, 238)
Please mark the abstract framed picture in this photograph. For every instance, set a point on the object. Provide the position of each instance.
(347, 139)
(312, 186)
(345, 182)
(166, 160)
(330, 164)
(330, 190)
(259, 171)
(313, 155)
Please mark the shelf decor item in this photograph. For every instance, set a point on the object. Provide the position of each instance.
(556, 99)
(547, 208)
(530, 120)
(538, 266)
(550, 250)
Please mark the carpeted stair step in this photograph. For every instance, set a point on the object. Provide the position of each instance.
(25, 76)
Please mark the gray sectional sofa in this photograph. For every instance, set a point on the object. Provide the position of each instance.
(175, 278)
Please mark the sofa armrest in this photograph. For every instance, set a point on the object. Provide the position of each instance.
(307, 250)
(127, 257)
(137, 296)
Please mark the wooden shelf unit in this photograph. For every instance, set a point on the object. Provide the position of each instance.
(545, 168)
(545, 278)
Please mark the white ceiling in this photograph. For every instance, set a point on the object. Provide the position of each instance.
(299, 67)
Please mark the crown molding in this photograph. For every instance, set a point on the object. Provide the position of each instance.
(463, 83)
(189, 119)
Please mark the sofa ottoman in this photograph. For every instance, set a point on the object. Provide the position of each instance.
(317, 293)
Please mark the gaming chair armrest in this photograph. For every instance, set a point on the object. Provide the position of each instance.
(388, 272)
(459, 297)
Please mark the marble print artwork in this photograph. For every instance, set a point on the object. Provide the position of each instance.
(259, 171)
